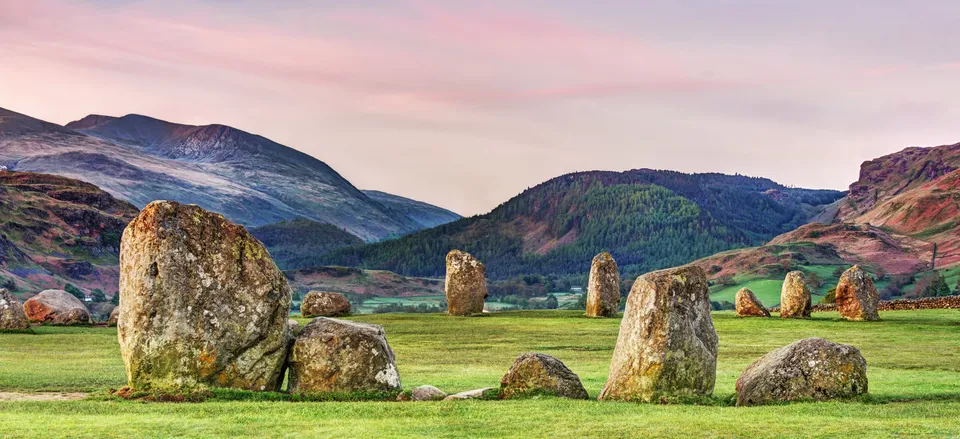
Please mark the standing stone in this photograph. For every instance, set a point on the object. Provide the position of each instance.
(48, 306)
(466, 284)
(667, 344)
(11, 312)
(603, 290)
(333, 355)
(114, 317)
(749, 306)
(201, 303)
(813, 368)
(795, 296)
(324, 304)
(857, 297)
(539, 373)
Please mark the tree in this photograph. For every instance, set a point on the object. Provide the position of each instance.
(97, 295)
(813, 280)
(115, 299)
(76, 292)
(831, 297)
(552, 303)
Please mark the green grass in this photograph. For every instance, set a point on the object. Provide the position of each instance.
(913, 365)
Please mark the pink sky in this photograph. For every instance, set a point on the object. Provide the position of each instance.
(464, 106)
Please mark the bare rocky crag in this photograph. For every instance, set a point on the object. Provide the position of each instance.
(795, 296)
(533, 373)
(11, 312)
(465, 285)
(857, 297)
(667, 345)
(331, 355)
(603, 289)
(56, 307)
(324, 304)
(748, 305)
(810, 369)
(201, 303)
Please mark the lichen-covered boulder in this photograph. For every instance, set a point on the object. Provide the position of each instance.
(114, 317)
(539, 373)
(810, 369)
(427, 393)
(11, 312)
(49, 304)
(293, 326)
(857, 297)
(201, 303)
(667, 345)
(748, 305)
(795, 296)
(331, 355)
(466, 284)
(100, 312)
(603, 289)
(324, 304)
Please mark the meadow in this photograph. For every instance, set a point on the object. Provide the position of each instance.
(913, 366)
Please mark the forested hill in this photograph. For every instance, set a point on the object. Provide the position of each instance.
(648, 219)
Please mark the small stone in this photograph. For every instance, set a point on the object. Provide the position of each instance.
(857, 297)
(810, 369)
(539, 373)
(603, 289)
(427, 393)
(748, 305)
(466, 284)
(114, 316)
(795, 296)
(332, 355)
(667, 345)
(324, 304)
(49, 304)
(11, 312)
(294, 326)
(100, 311)
(471, 394)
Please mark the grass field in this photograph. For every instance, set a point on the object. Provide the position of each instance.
(913, 366)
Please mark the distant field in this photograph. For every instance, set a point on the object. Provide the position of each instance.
(913, 365)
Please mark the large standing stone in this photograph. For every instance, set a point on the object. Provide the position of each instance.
(201, 303)
(667, 344)
(333, 355)
(603, 290)
(857, 297)
(539, 373)
(324, 304)
(795, 296)
(48, 306)
(813, 368)
(748, 305)
(11, 312)
(466, 284)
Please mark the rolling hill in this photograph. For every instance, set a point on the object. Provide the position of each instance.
(426, 215)
(648, 219)
(55, 230)
(248, 178)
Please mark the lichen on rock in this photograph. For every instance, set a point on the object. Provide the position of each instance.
(667, 346)
(56, 307)
(603, 288)
(324, 304)
(534, 373)
(201, 303)
(795, 302)
(857, 297)
(466, 284)
(748, 305)
(11, 312)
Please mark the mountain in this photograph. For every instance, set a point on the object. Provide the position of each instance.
(248, 178)
(426, 215)
(55, 230)
(899, 219)
(298, 242)
(647, 218)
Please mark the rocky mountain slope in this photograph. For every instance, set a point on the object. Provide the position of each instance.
(900, 218)
(299, 242)
(56, 230)
(248, 178)
(426, 215)
(648, 219)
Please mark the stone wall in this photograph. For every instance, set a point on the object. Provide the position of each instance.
(949, 302)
